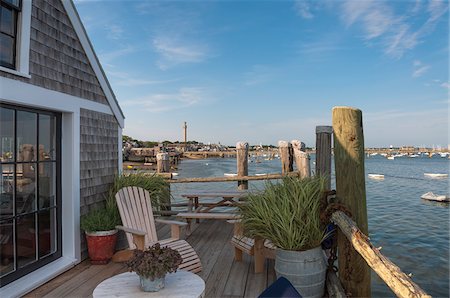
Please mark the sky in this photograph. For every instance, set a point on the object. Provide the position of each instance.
(264, 71)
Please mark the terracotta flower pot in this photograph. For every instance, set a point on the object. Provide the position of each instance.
(101, 246)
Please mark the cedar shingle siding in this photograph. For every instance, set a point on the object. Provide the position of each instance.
(57, 59)
(98, 160)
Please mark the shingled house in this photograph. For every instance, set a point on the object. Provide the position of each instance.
(60, 140)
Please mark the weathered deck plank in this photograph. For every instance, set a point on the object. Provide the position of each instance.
(211, 239)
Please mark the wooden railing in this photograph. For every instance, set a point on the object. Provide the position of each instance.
(400, 283)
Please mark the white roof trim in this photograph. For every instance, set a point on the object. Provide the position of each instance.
(93, 59)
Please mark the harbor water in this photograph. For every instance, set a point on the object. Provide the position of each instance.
(412, 232)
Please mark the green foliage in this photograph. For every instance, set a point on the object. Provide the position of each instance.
(103, 219)
(149, 144)
(155, 185)
(287, 213)
(155, 262)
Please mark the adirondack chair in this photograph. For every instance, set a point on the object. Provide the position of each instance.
(135, 210)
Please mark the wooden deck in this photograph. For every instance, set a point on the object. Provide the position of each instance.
(211, 239)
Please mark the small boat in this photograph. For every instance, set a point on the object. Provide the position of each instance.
(391, 157)
(413, 155)
(174, 174)
(436, 175)
(432, 197)
(376, 176)
(262, 174)
(230, 175)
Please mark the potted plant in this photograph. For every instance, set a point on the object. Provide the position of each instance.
(153, 264)
(101, 233)
(288, 214)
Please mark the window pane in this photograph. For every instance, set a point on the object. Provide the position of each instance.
(13, 2)
(47, 232)
(47, 184)
(26, 188)
(6, 49)
(6, 191)
(26, 239)
(6, 135)
(26, 136)
(6, 246)
(47, 137)
(7, 20)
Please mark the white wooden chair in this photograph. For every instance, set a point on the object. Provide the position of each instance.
(135, 210)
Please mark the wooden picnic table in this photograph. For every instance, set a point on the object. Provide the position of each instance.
(202, 210)
(228, 198)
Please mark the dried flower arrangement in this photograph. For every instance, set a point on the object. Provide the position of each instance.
(155, 262)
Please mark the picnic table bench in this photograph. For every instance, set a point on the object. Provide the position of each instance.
(202, 210)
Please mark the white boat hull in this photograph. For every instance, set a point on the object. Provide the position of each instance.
(432, 197)
(436, 175)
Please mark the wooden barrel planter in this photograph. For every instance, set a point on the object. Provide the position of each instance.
(306, 270)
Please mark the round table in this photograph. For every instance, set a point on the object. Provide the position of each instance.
(179, 284)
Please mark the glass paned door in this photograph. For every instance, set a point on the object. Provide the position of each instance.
(30, 215)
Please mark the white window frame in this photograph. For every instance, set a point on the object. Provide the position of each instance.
(22, 42)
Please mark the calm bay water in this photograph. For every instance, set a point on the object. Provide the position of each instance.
(414, 233)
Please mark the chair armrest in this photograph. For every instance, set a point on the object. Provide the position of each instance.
(138, 236)
(131, 230)
(171, 222)
(175, 227)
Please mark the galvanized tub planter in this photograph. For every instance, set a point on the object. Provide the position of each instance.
(148, 285)
(306, 270)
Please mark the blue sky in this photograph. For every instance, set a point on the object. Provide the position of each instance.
(263, 71)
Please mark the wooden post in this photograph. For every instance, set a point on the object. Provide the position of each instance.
(301, 158)
(162, 163)
(287, 161)
(351, 190)
(242, 163)
(323, 152)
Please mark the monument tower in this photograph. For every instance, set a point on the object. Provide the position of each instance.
(185, 136)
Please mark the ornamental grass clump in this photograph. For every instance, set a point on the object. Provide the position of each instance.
(155, 262)
(156, 185)
(287, 213)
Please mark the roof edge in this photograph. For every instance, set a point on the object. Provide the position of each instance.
(78, 26)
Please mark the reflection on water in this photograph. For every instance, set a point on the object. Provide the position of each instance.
(414, 233)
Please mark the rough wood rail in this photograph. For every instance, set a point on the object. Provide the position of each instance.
(240, 178)
(397, 281)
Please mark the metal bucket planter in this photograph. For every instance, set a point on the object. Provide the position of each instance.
(306, 270)
(155, 285)
(101, 246)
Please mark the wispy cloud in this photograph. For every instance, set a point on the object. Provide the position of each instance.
(303, 9)
(395, 32)
(114, 31)
(127, 80)
(419, 68)
(174, 52)
(108, 57)
(446, 85)
(164, 102)
(258, 74)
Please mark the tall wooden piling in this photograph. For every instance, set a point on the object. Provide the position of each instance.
(323, 152)
(242, 163)
(162, 162)
(287, 160)
(301, 158)
(351, 189)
